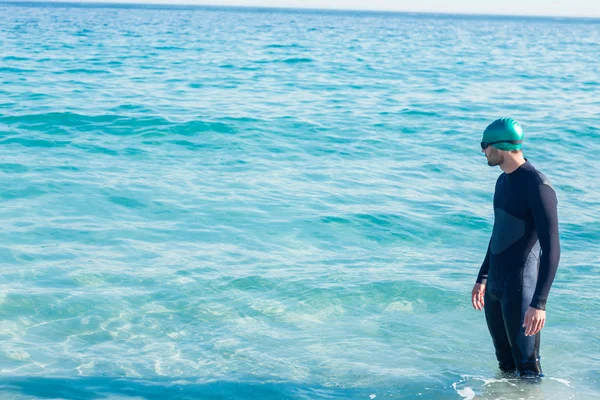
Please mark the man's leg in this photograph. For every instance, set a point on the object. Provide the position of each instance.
(525, 349)
(495, 323)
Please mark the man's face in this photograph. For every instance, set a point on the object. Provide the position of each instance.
(494, 156)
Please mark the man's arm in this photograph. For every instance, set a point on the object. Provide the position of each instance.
(477, 295)
(543, 204)
(485, 267)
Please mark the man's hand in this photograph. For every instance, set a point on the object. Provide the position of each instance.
(477, 296)
(534, 321)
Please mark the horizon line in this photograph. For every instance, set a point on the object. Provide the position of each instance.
(125, 3)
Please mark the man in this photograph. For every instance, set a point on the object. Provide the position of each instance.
(514, 279)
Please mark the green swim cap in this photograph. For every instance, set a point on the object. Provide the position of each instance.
(504, 129)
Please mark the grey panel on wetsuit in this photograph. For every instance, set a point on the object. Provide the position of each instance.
(507, 230)
(530, 267)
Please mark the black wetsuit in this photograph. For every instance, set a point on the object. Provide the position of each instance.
(515, 274)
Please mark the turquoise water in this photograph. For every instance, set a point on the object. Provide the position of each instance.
(226, 203)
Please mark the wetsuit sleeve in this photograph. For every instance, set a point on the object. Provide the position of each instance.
(485, 266)
(542, 202)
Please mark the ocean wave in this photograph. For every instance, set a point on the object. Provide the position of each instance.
(112, 124)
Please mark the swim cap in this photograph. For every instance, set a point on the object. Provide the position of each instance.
(504, 129)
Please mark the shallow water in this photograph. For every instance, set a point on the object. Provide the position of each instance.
(225, 203)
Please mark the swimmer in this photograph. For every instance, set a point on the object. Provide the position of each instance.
(523, 253)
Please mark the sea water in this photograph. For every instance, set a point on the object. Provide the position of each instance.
(263, 204)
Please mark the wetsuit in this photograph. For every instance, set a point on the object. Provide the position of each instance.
(516, 275)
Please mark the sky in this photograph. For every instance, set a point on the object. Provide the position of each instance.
(567, 8)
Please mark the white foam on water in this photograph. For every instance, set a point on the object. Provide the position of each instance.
(89, 366)
(17, 354)
(563, 381)
(158, 368)
(466, 393)
(182, 281)
(488, 381)
(405, 306)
